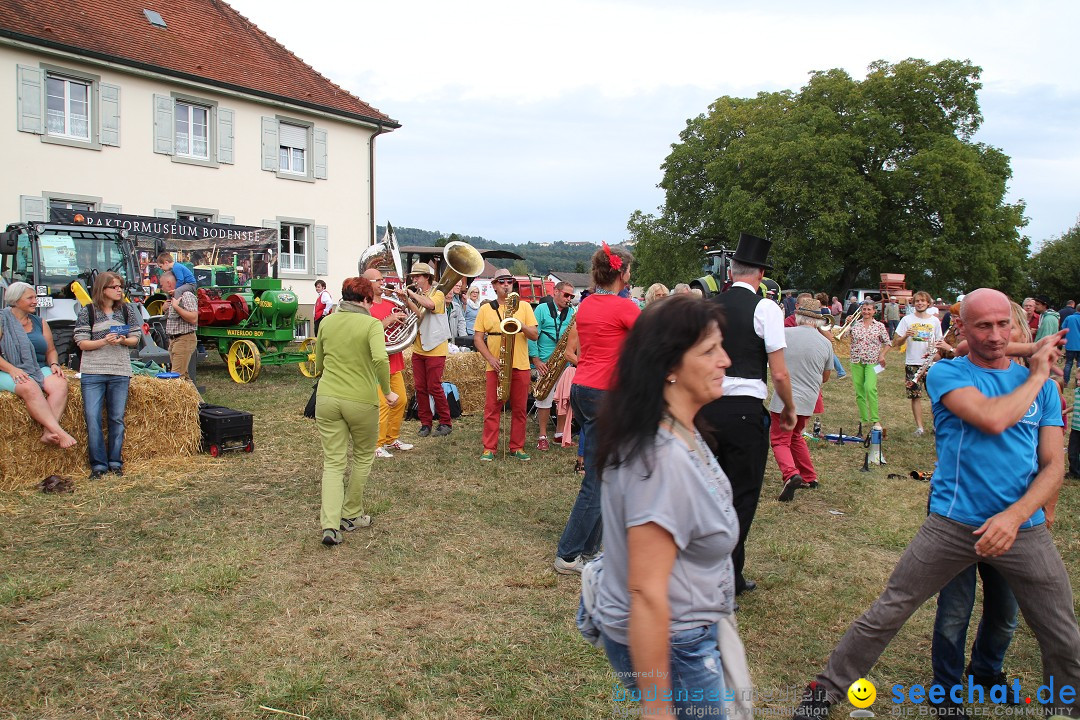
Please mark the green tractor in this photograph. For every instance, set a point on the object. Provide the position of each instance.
(717, 276)
(253, 327)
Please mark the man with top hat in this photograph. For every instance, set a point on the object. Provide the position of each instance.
(429, 348)
(489, 339)
(739, 423)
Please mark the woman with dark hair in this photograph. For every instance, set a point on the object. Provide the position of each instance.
(665, 597)
(603, 321)
(105, 331)
(350, 352)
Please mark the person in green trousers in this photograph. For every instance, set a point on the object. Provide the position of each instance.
(350, 352)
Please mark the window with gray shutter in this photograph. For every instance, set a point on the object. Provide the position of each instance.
(226, 219)
(169, 214)
(292, 148)
(225, 136)
(270, 144)
(163, 124)
(319, 152)
(110, 114)
(30, 98)
(110, 208)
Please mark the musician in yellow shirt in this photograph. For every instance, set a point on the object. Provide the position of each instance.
(489, 340)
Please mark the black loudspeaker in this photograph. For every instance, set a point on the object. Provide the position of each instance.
(9, 241)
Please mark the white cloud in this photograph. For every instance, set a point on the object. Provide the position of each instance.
(553, 115)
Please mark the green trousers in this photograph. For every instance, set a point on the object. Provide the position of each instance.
(339, 420)
(864, 379)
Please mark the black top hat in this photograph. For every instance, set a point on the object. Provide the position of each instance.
(753, 251)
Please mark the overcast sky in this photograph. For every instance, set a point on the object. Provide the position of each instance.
(549, 121)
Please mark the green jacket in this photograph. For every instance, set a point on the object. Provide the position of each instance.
(1048, 324)
(350, 352)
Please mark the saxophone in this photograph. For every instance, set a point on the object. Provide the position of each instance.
(557, 362)
(510, 327)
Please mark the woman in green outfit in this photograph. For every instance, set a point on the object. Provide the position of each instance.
(350, 352)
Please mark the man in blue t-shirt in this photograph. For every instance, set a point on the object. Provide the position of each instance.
(1072, 343)
(993, 493)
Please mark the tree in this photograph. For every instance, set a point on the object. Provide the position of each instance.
(579, 267)
(849, 179)
(520, 267)
(1054, 269)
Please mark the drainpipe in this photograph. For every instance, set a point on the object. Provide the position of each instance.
(371, 176)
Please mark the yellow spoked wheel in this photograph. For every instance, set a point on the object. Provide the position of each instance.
(154, 307)
(307, 368)
(244, 361)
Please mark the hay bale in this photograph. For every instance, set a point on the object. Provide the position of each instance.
(162, 421)
(466, 370)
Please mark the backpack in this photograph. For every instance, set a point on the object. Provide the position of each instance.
(453, 399)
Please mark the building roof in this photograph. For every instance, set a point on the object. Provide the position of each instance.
(580, 281)
(205, 40)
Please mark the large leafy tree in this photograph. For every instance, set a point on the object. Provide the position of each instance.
(849, 179)
(1055, 268)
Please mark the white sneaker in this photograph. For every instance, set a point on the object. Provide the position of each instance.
(569, 568)
(398, 445)
(381, 452)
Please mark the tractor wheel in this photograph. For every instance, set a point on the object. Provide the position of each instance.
(244, 361)
(250, 447)
(307, 368)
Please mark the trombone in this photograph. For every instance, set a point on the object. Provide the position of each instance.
(843, 329)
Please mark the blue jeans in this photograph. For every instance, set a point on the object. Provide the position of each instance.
(840, 372)
(697, 675)
(955, 603)
(1071, 356)
(108, 392)
(584, 528)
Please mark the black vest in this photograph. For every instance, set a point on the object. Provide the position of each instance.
(741, 343)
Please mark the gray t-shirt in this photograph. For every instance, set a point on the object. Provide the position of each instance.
(689, 496)
(807, 356)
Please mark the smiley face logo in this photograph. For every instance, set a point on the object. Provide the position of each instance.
(862, 693)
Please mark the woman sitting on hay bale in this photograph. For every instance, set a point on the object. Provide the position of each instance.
(104, 331)
(29, 366)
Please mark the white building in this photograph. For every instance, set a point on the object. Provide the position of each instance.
(195, 114)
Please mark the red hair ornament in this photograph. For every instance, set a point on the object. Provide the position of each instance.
(613, 260)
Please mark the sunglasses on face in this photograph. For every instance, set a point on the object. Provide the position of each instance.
(505, 282)
(567, 295)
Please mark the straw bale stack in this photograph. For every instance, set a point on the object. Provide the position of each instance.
(162, 421)
(466, 370)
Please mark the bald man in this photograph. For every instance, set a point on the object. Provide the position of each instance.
(992, 496)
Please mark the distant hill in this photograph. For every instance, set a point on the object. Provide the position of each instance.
(541, 258)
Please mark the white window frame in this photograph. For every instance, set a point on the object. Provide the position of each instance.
(286, 160)
(188, 107)
(68, 81)
(286, 260)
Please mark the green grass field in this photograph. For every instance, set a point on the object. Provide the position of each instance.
(202, 591)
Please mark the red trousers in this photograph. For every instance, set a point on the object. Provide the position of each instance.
(519, 398)
(790, 450)
(427, 379)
